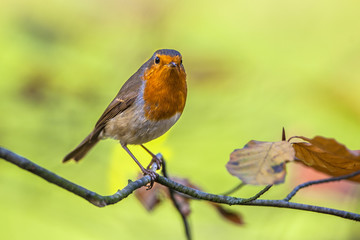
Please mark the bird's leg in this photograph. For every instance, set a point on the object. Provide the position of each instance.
(154, 159)
(152, 174)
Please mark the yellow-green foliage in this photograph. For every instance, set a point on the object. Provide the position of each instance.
(253, 67)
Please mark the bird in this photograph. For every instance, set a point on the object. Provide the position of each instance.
(148, 104)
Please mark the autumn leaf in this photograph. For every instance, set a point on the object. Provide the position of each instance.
(328, 156)
(152, 198)
(149, 199)
(261, 163)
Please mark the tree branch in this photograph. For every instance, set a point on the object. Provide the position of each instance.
(101, 201)
(326, 180)
(92, 197)
(259, 194)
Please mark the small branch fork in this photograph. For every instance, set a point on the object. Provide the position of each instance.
(102, 201)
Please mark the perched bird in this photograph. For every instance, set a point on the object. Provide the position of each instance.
(146, 107)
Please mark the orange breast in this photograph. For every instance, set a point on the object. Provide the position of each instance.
(165, 92)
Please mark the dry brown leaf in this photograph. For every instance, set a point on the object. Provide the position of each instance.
(328, 156)
(149, 199)
(261, 163)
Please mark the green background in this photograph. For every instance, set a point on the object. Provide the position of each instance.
(253, 67)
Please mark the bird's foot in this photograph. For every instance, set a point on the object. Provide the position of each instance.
(153, 175)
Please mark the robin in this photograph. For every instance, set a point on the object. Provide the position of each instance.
(146, 107)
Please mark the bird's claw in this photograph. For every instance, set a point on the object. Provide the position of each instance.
(153, 175)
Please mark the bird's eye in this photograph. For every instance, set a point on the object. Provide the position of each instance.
(181, 61)
(157, 60)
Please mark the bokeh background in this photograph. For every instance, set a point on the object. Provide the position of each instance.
(253, 67)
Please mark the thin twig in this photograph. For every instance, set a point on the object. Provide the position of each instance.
(176, 204)
(101, 201)
(259, 194)
(326, 180)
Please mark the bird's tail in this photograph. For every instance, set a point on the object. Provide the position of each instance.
(83, 148)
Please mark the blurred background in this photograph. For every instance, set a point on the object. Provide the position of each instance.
(253, 67)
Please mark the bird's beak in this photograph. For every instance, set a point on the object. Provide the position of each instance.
(172, 64)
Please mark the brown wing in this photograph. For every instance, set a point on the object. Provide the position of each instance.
(124, 99)
(116, 106)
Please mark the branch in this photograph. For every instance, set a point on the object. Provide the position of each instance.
(259, 194)
(101, 201)
(326, 180)
(92, 197)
